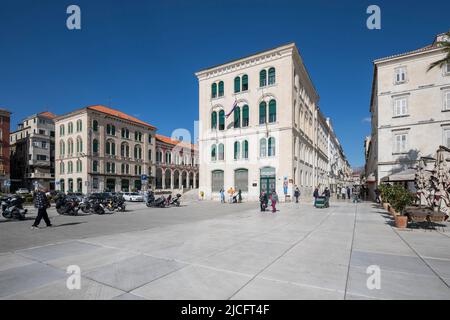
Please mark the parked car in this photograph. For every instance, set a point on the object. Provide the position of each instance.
(133, 196)
(22, 191)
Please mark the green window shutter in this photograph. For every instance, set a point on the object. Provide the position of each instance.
(213, 153)
(221, 89)
(214, 120)
(245, 155)
(237, 117)
(245, 116)
(262, 78)
(244, 82)
(222, 120)
(237, 84)
(262, 112)
(214, 90)
(108, 147)
(236, 150)
(271, 76)
(272, 111)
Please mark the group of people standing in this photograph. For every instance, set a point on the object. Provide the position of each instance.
(233, 195)
(268, 199)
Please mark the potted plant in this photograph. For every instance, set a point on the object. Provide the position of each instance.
(400, 199)
(386, 195)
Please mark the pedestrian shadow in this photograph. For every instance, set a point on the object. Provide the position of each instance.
(68, 224)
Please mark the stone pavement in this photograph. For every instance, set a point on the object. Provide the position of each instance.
(207, 250)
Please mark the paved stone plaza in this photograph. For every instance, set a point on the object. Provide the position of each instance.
(205, 250)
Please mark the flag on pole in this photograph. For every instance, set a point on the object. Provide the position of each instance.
(232, 109)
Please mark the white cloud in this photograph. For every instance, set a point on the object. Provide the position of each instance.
(366, 120)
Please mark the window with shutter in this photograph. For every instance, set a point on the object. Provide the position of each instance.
(447, 100)
(237, 84)
(262, 112)
(241, 179)
(245, 116)
(244, 82)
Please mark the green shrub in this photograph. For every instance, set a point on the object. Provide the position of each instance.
(386, 191)
(400, 198)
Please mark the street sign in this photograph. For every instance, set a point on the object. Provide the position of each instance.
(7, 183)
(144, 177)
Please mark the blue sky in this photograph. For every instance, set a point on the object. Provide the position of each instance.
(140, 56)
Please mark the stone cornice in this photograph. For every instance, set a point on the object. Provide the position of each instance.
(246, 62)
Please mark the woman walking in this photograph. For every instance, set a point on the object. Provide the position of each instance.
(274, 200)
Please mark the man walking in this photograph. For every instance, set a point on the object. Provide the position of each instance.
(296, 194)
(343, 192)
(348, 193)
(274, 200)
(41, 203)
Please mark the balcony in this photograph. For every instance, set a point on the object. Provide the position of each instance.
(40, 175)
(39, 163)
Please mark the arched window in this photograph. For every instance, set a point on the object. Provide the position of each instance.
(213, 153)
(237, 147)
(262, 78)
(271, 76)
(237, 84)
(245, 116)
(70, 125)
(79, 166)
(111, 129)
(110, 148)
(125, 150)
(61, 168)
(272, 111)
(237, 117)
(79, 145)
(70, 147)
(221, 89)
(241, 179)
(95, 166)
(150, 154)
(138, 152)
(79, 126)
(244, 82)
(158, 156)
(245, 149)
(214, 120)
(95, 146)
(61, 130)
(262, 112)
(262, 148)
(221, 152)
(221, 120)
(168, 157)
(95, 125)
(70, 167)
(271, 148)
(62, 148)
(137, 136)
(125, 133)
(214, 90)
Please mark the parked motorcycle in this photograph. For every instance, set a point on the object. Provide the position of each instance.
(96, 206)
(152, 202)
(12, 208)
(116, 203)
(175, 201)
(85, 205)
(67, 205)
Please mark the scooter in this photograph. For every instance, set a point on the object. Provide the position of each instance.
(12, 208)
(85, 205)
(96, 206)
(152, 202)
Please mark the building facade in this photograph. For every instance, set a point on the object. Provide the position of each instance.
(4, 150)
(33, 152)
(260, 126)
(176, 164)
(410, 110)
(102, 149)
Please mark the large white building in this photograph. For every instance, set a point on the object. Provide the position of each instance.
(275, 138)
(410, 108)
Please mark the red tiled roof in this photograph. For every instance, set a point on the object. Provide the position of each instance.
(48, 114)
(119, 114)
(174, 142)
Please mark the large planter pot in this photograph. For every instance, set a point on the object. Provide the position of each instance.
(392, 211)
(401, 222)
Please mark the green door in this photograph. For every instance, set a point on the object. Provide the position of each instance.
(267, 179)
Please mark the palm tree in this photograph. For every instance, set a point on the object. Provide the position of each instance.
(446, 46)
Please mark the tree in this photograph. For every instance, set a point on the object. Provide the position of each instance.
(445, 44)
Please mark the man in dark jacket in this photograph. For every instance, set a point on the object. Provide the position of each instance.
(41, 203)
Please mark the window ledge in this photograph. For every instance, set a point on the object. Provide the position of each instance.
(445, 110)
(267, 86)
(399, 153)
(401, 116)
